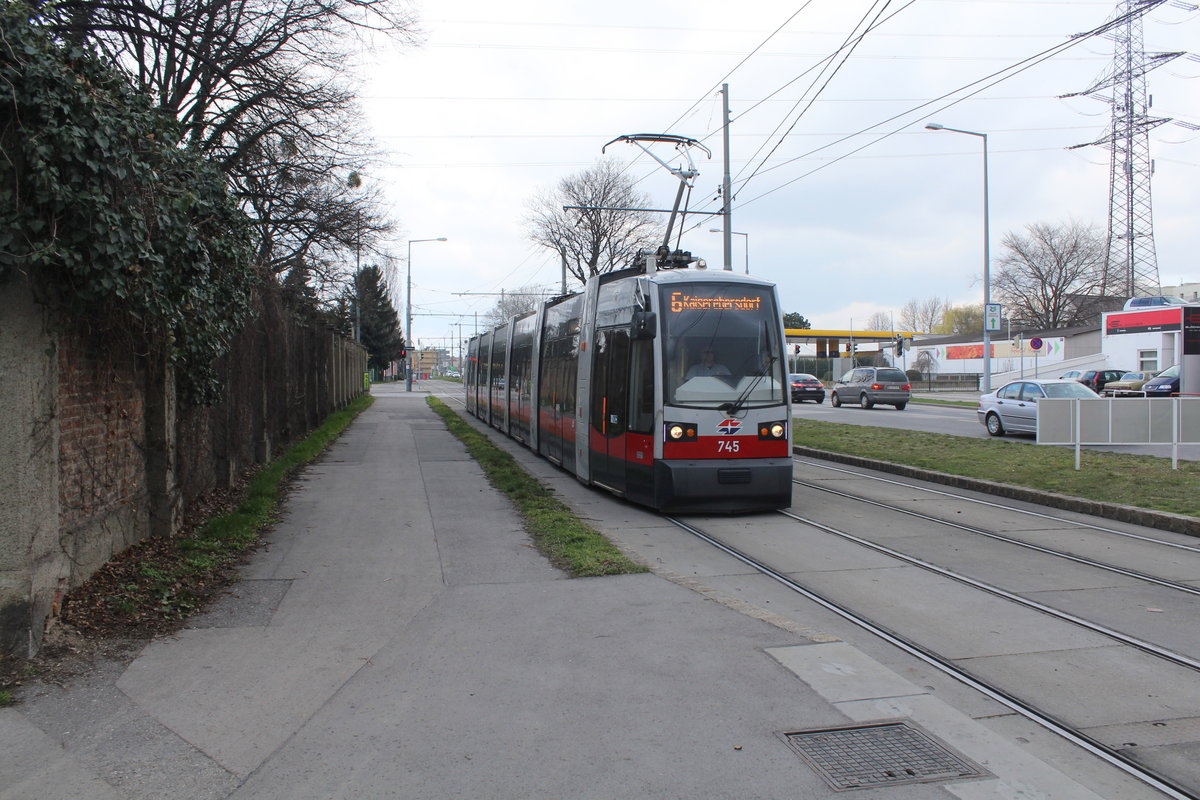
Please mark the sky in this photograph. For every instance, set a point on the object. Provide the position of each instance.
(842, 197)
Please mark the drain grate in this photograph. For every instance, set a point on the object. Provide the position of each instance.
(878, 754)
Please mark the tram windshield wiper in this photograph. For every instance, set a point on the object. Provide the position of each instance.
(737, 405)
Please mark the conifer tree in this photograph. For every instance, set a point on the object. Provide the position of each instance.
(379, 325)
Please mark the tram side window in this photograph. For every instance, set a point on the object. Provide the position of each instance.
(610, 381)
(641, 389)
(499, 356)
(618, 381)
(599, 381)
(570, 372)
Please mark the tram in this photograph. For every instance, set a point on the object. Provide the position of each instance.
(665, 386)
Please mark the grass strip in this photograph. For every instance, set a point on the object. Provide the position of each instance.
(156, 583)
(560, 536)
(934, 401)
(1125, 478)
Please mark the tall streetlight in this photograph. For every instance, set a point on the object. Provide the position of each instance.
(987, 257)
(408, 340)
(746, 241)
(354, 181)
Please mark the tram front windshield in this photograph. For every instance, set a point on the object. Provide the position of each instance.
(722, 346)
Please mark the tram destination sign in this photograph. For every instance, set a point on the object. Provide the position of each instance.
(681, 301)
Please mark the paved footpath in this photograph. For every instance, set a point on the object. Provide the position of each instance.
(400, 638)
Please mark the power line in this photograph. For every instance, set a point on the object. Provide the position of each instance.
(987, 82)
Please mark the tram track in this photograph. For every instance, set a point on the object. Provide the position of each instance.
(1048, 720)
(1056, 518)
(1016, 542)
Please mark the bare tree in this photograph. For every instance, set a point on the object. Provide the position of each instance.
(1042, 275)
(879, 321)
(600, 235)
(258, 87)
(922, 315)
(515, 303)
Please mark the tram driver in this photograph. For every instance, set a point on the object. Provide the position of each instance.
(707, 366)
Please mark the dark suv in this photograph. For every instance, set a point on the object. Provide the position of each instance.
(870, 385)
(1095, 379)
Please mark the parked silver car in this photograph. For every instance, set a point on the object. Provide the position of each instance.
(870, 385)
(1013, 407)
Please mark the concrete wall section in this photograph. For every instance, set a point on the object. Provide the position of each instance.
(31, 563)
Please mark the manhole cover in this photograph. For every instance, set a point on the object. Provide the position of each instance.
(879, 754)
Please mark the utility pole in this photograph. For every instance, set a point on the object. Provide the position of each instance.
(726, 183)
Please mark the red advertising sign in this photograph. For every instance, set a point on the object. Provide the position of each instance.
(1160, 319)
(958, 351)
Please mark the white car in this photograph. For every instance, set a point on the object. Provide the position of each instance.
(1152, 302)
(1013, 407)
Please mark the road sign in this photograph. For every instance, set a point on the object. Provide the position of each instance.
(1035, 343)
(991, 317)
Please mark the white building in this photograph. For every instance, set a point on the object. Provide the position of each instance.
(1148, 339)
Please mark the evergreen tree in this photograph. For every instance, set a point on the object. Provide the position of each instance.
(379, 325)
(795, 321)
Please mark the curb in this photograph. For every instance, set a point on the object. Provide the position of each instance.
(1162, 520)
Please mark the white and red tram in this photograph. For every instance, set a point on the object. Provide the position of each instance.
(598, 382)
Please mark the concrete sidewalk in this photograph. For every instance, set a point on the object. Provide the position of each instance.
(400, 638)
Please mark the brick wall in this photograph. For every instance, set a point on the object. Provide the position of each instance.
(101, 434)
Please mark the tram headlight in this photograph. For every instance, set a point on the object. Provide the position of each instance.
(772, 430)
(681, 432)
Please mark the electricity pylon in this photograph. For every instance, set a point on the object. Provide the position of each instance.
(1131, 267)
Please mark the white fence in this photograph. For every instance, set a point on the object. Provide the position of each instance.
(1168, 421)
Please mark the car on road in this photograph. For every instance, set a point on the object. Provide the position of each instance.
(870, 385)
(1094, 379)
(1152, 302)
(806, 387)
(1130, 384)
(1164, 384)
(1013, 407)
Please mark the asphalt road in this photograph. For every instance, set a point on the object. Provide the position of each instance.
(955, 420)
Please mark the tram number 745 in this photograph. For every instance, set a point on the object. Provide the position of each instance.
(724, 446)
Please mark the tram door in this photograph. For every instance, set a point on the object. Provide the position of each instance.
(610, 403)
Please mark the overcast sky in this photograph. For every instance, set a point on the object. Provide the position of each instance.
(857, 209)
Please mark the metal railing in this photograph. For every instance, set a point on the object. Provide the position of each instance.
(1167, 421)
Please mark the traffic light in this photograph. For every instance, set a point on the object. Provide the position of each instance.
(899, 345)
(403, 352)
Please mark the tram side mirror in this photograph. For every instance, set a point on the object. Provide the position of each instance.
(645, 323)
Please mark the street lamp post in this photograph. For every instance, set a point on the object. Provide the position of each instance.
(746, 241)
(987, 257)
(408, 340)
